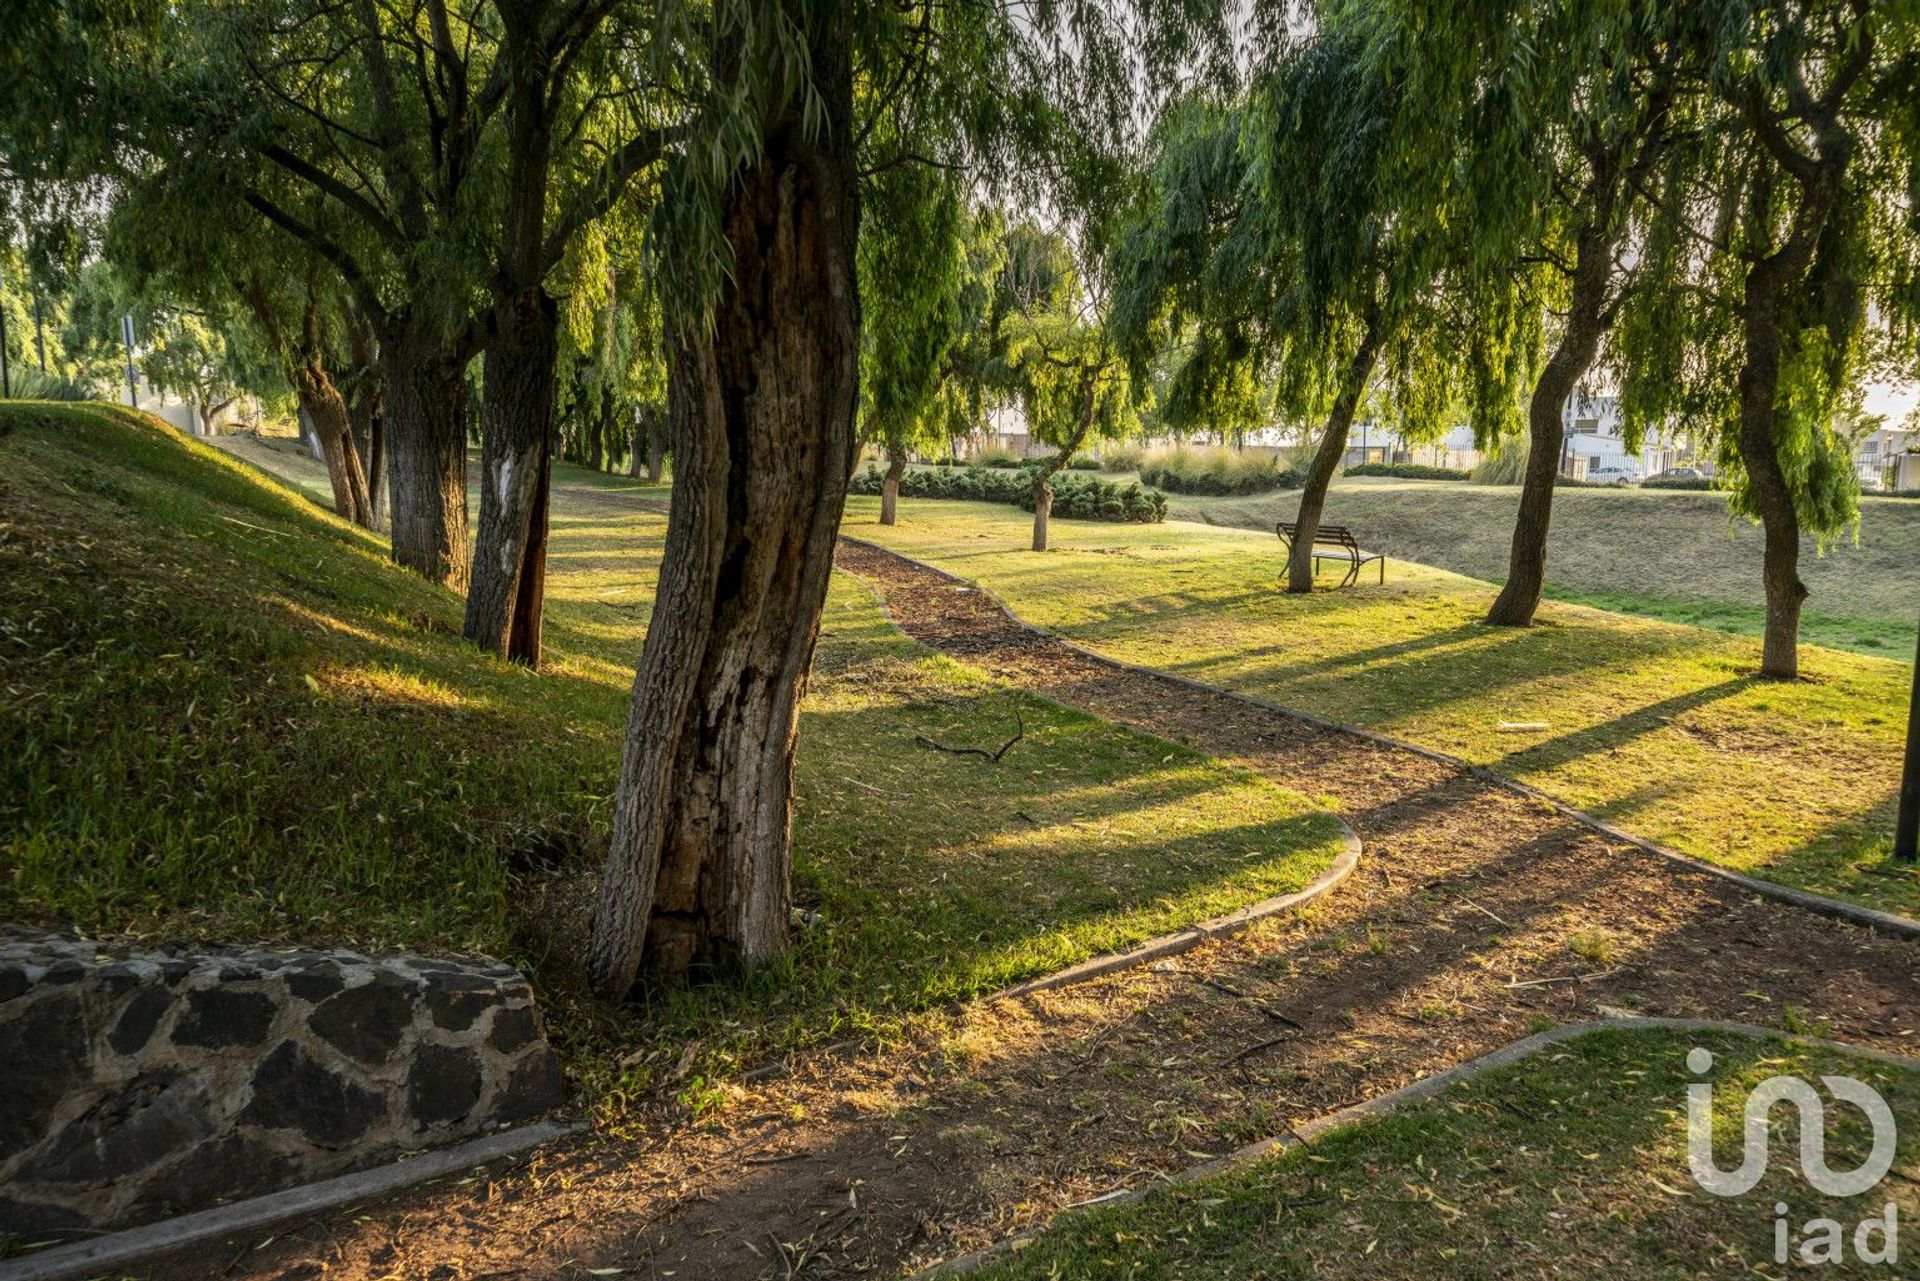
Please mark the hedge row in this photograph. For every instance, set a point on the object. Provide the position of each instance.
(1407, 471)
(1075, 496)
(1677, 482)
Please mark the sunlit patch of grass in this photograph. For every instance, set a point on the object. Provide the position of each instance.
(229, 717)
(1663, 729)
(1572, 1162)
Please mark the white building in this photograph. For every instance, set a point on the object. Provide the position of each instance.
(1889, 459)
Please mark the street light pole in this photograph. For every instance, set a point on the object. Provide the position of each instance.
(1906, 828)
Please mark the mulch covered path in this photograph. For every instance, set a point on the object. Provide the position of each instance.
(1475, 915)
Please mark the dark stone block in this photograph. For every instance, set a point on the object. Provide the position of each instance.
(512, 1029)
(157, 1115)
(366, 1022)
(173, 971)
(23, 1217)
(292, 1092)
(456, 1000)
(61, 973)
(13, 981)
(536, 1086)
(443, 1084)
(137, 1021)
(219, 1017)
(234, 972)
(314, 982)
(43, 1055)
(118, 978)
(236, 1165)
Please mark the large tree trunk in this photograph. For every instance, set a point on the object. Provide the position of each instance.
(762, 402)
(508, 584)
(1326, 459)
(427, 401)
(1546, 430)
(890, 487)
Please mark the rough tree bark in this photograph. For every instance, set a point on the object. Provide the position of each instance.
(369, 436)
(1572, 357)
(890, 487)
(1326, 458)
(508, 583)
(762, 403)
(326, 411)
(1758, 383)
(424, 369)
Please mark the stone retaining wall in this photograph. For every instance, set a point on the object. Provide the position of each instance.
(139, 1084)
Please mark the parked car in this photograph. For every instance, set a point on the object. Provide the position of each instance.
(1611, 476)
(1681, 473)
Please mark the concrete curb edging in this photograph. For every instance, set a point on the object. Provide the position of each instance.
(121, 1249)
(1887, 923)
(1186, 940)
(1193, 936)
(1304, 1134)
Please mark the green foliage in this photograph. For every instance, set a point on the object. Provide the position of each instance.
(1075, 496)
(1219, 472)
(1121, 455)
(1678, 482)
(1408, 471)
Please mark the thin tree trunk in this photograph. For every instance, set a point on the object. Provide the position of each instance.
(636, 454)
(427, 404)
(656, 446)
(762, 401)
(326, 411)
(1572, 357)
(890, 487)
(369, 437)
(1043, 478)
(1766, 480)
(1326, 459)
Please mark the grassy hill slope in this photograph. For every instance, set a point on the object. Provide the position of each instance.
(1659, 553)
(224, 714)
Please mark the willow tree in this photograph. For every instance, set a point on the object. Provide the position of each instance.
(1073, 378)
(761, 210)
(1289, 243)
(911, 276)
(1549, 120)
(1784, 234)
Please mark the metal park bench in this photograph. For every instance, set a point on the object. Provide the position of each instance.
(1334, 542)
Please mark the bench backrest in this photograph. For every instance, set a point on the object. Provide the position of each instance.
(1332, 535)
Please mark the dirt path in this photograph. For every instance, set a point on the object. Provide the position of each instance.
(1476, 916)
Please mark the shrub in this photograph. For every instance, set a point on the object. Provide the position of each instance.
(1677, 482)
(1506, 465)
(1083, 463)
(31, 384)
(994, 456)
(1218, 472)
(1075, 496)
(1408, 471)
(1122, 457)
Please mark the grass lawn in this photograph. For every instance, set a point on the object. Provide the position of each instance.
(1569, 1164)
(1698, 567)
(1660, 727)
(229, 717)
